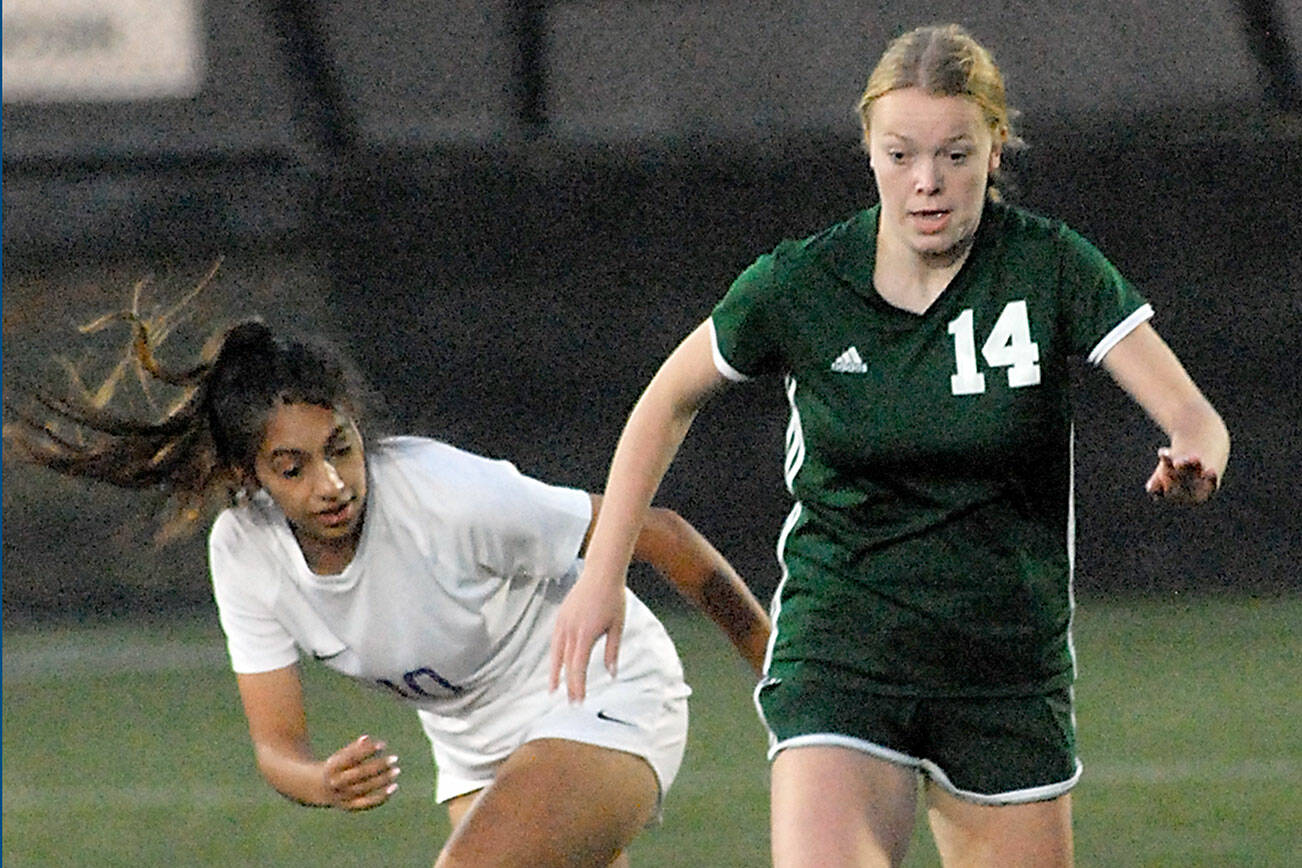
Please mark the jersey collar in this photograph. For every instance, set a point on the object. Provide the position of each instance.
(854, 259)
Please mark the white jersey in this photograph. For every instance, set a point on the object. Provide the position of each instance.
(450, 598)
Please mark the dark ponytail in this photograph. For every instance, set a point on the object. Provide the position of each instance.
(199, 453)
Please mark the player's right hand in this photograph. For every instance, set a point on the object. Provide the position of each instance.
(360, 776)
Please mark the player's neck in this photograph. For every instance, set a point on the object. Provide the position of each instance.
(328, 557)
(910, 280)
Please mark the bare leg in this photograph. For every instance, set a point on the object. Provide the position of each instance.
(460, 805)
(554, 802)
(1034, 835)
(834, 806)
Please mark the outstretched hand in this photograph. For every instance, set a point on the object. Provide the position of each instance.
(1181, 480)
(591, 609)
(359, 776)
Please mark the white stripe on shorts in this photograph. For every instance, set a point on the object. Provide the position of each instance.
(928, 768)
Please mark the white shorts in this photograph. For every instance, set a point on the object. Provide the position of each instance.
(643, 711)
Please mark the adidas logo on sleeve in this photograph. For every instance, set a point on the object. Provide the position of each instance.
(849, 362)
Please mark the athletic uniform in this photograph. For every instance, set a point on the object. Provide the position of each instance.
(928, 556)
(448, 604)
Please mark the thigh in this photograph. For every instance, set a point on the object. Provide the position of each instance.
(1034, 834)
(834, 806)
(556, 802)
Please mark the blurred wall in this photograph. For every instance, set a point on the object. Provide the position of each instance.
(511, 211)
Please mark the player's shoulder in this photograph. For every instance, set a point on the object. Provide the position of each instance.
(405, 457)
(440, 478)
(798, 262)
(830, 245)
(1022, 224)
(1026, 240)
(244, 526)
(243, 550)
(1033, 235)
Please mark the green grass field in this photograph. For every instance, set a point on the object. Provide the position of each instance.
(125, 745)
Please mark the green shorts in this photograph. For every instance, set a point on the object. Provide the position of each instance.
(992, 751)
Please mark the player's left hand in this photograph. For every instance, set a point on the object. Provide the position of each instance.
(1181, 480)
(593, 607)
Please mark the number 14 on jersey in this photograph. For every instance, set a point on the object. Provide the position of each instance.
(1009, 345)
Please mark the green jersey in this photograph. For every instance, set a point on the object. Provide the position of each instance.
(929, 455)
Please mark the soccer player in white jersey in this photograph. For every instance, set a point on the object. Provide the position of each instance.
(428, 573)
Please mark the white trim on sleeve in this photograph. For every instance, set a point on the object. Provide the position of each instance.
(1123, 328)
(720, 363)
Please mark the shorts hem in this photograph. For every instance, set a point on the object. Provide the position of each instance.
(1040, 793)
(661, 744)
(832, 739)
(464, 786)
(445, 794)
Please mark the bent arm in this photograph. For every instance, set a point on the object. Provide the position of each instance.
(1192, 467)
(651, 438)
(354, 778)
(273, 705)
(655, 429)
(678, 552)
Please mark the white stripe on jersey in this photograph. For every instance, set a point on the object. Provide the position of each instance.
(795, 446)
(1071, 552)
(720, 363)
(1141, 315)
(795, 458)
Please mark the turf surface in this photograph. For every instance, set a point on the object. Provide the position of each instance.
(125, 745)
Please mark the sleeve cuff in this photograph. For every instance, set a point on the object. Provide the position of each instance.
(1141, 315)
(720, 363)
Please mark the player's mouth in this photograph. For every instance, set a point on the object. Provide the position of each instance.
(930, 220)
(339, 515)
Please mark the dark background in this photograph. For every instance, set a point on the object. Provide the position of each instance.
(511, 212)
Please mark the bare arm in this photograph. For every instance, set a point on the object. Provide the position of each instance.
(1192, 467)
(655, 429)
(678, 552)
(356, 777)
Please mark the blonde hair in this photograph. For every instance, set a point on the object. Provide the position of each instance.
(944, 60)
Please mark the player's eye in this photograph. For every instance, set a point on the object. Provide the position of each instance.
(958, 157)
(895, 156)
(290, 471)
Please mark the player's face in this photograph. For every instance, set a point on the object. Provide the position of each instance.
(312, 464)
(932, 157)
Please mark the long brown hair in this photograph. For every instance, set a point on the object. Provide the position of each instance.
(198, 452)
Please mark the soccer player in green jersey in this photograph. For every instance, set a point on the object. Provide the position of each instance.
(922, 624)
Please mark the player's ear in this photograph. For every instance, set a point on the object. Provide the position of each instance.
(996, 150)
